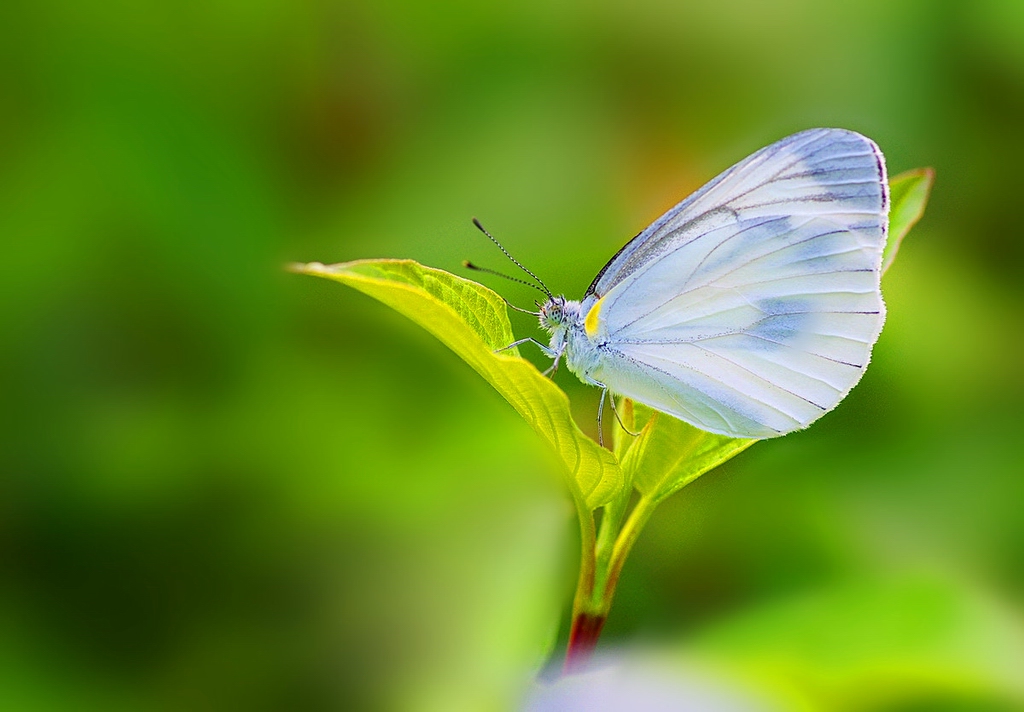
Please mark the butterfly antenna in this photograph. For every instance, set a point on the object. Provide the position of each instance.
(469, 265)
(516, 262)
(512, 306)
(466, 263)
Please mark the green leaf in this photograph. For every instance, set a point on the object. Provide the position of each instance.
(622, 440)
(908, 196)
(878, 645)
(473, 321)
(669, 454)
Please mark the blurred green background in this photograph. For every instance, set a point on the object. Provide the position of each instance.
(227, 487)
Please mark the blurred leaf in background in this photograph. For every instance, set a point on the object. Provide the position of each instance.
(222, 486)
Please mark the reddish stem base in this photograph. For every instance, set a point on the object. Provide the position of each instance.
(586, 629)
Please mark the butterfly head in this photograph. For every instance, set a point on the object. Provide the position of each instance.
(558, 313)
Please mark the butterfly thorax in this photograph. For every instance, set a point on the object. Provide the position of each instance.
(564, 319)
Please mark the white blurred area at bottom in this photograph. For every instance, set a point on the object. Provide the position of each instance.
(644, 681)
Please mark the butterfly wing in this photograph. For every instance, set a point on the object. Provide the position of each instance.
(750, 308)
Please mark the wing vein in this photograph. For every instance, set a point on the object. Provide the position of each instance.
(760, 378)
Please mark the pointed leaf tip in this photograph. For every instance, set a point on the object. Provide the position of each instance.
(473, 321)
(908, 197)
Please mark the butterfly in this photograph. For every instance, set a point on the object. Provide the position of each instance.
(750, 308)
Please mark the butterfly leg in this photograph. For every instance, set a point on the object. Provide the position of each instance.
(556, 356)
(550, 353)
(553, 369)
(600, 413)
(619, 418)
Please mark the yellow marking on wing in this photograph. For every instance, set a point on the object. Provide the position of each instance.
(590, 323)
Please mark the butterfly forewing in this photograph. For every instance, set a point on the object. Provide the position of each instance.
(751, 307)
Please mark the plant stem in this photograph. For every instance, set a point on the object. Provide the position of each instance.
(586, 628)
(624, 542)
(599, 574)
(580, 645)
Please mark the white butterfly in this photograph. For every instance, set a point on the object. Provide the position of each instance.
(750, 308)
